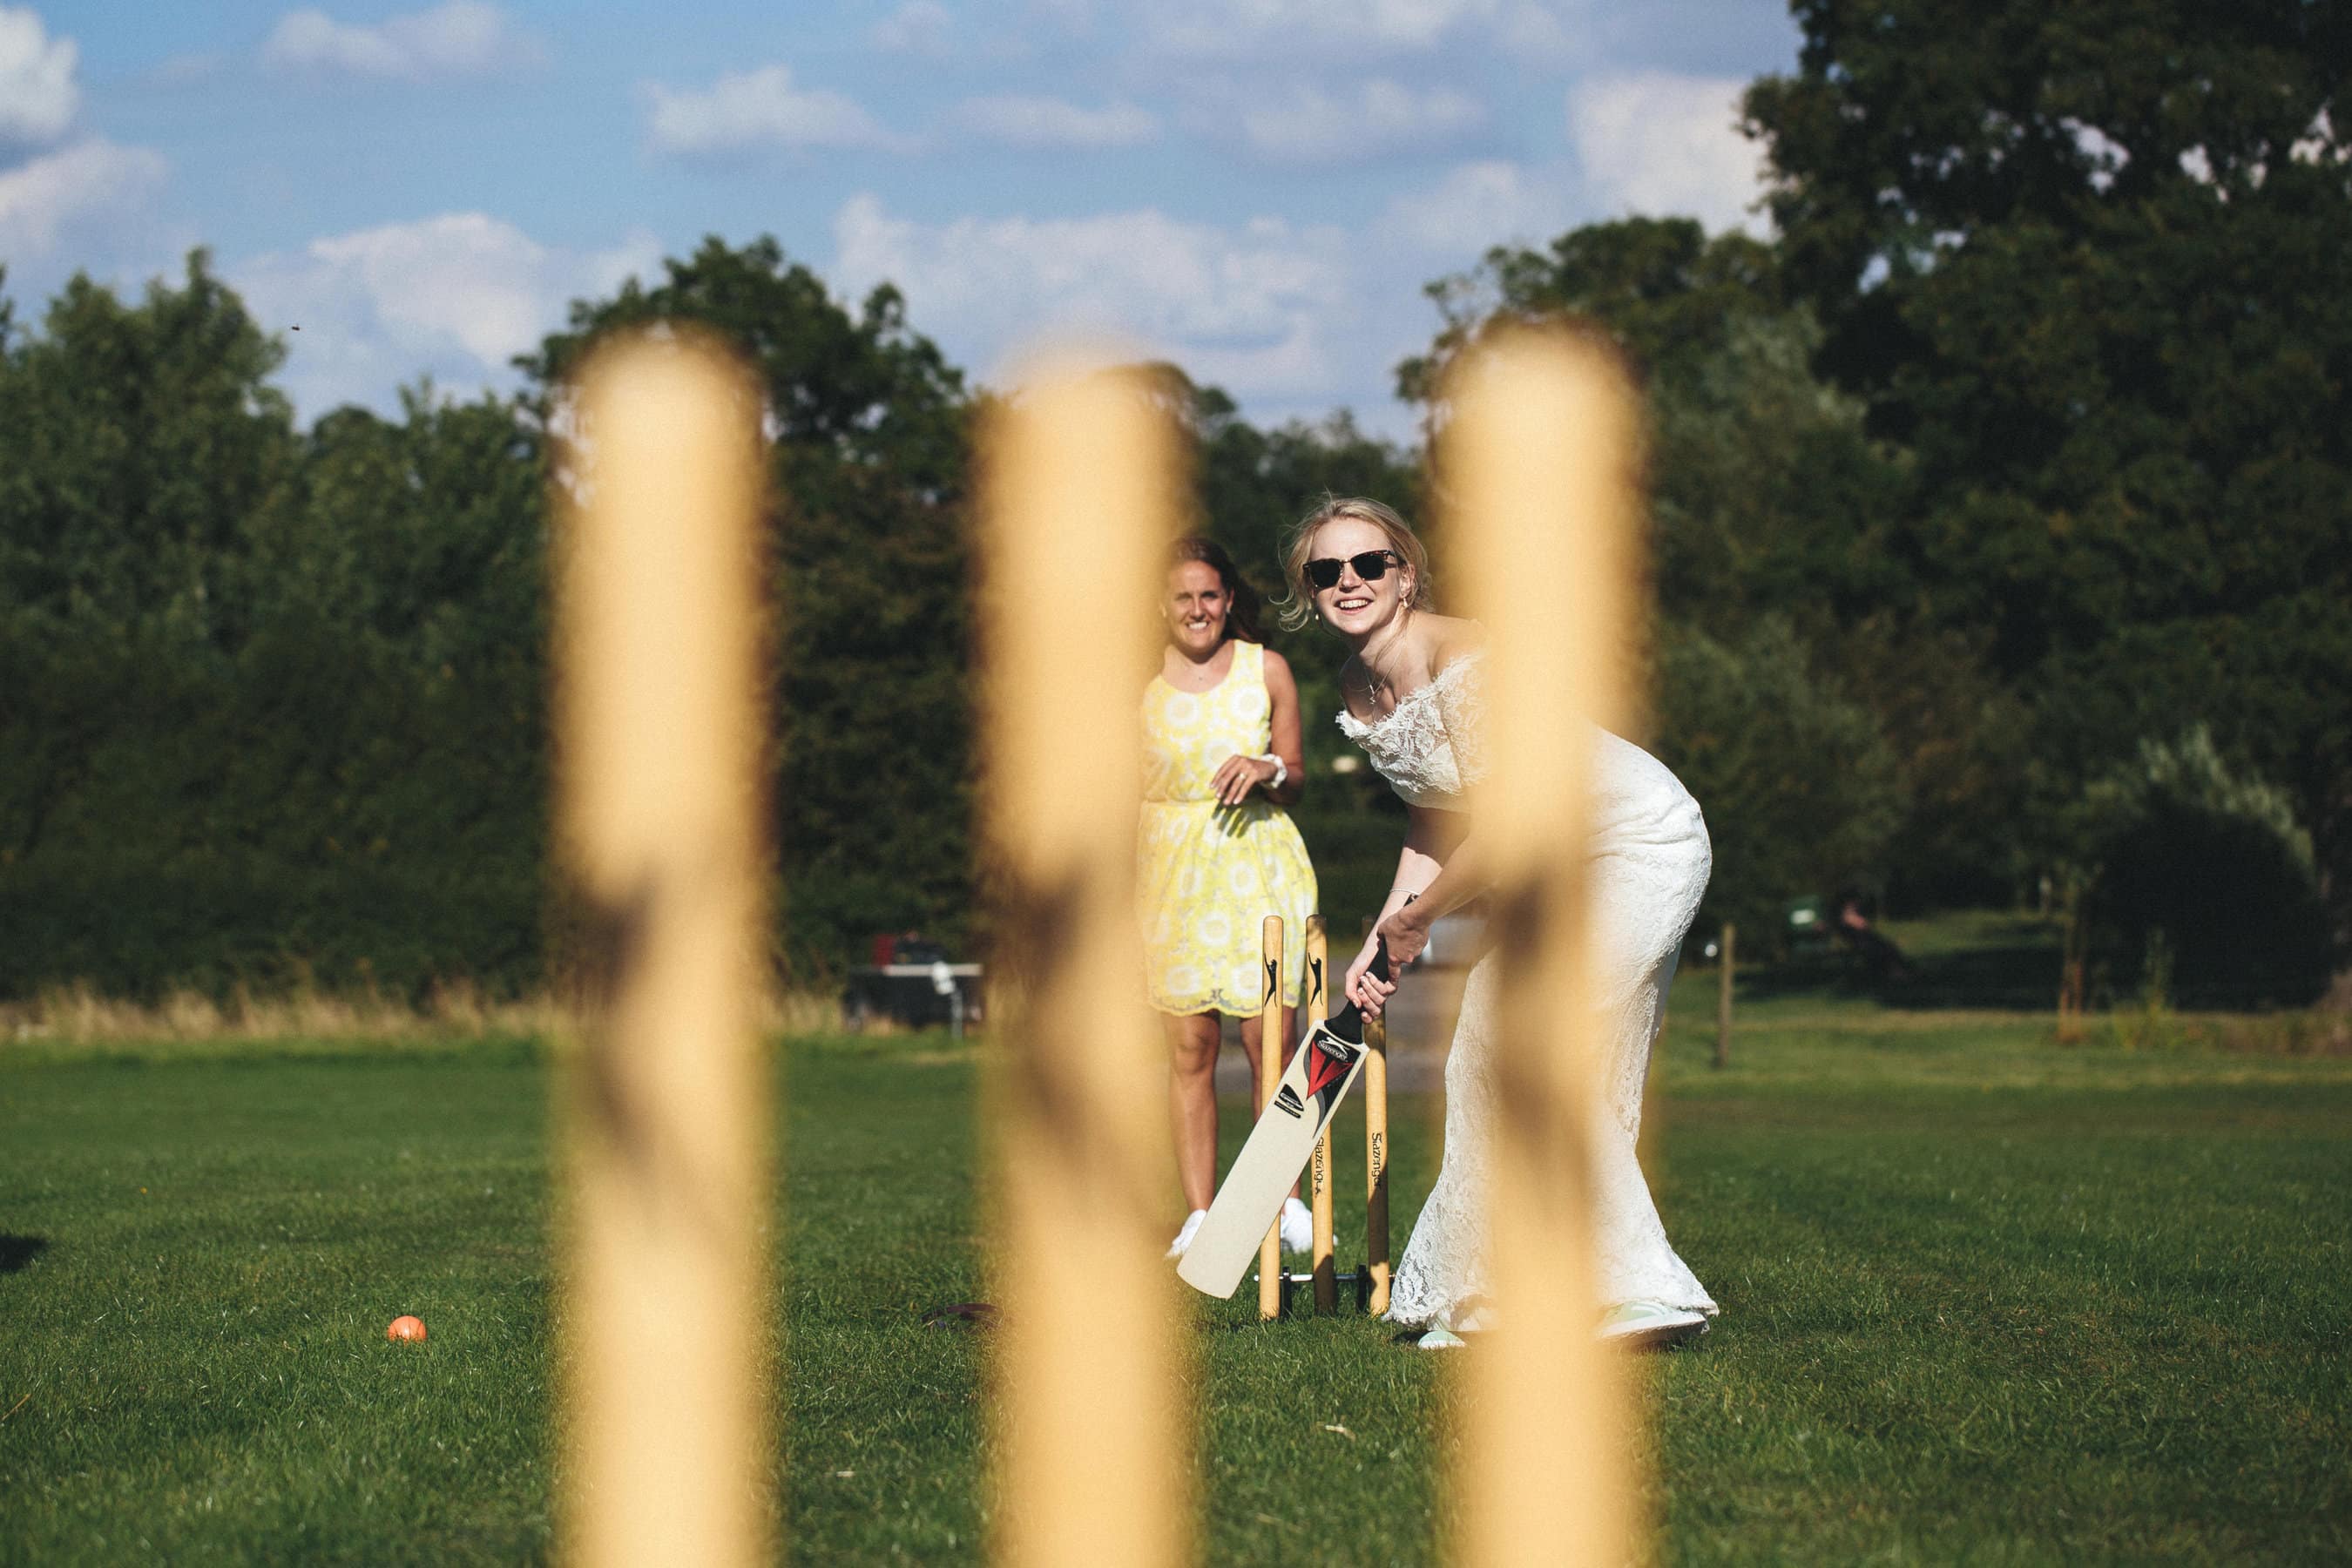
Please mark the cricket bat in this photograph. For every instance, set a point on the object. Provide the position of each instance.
(1319, 1077)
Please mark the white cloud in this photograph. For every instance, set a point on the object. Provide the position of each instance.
(1667, 146)
(1049, 122)
(1541, 34)
(917, 27)
(1258, 309)
(1478, 205)
(749, 110)
(457, 38)
(37, 93)
(1247, 28)
(1242, 27)
(1312, 126)
(54, 197)
(457, 296)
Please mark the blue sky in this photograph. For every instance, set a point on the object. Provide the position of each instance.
(1256, 189)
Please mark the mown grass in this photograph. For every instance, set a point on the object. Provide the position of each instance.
(1986, 1299)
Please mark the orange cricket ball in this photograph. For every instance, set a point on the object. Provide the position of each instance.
(405, 1329)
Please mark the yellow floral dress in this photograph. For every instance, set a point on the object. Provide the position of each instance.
(1207, 876)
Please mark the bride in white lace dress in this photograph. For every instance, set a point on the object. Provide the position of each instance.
(1413, 697)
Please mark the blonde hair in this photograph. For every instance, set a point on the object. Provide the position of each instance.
(1296, 606)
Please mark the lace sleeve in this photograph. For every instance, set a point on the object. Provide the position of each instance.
(1461, 690)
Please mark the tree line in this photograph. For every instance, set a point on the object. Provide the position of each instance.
(1998, 513)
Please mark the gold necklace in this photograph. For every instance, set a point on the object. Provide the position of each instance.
(1373, 683)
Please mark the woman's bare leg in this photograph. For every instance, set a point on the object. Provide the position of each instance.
(1192, 1099)
(1255, 1026)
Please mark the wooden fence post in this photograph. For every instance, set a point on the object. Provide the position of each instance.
(1723, 982)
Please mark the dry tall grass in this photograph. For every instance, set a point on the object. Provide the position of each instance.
(78, 1015)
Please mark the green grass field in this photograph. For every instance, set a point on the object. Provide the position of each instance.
(1986, 1299)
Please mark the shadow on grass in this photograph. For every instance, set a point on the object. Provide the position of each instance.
(18, 1251)
(2009, 966)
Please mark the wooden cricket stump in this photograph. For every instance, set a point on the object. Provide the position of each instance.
(1540, 458)
(1369, 1283)
(1272, 1286)
(1093, 1460)
(659, 750)
(1323, 1269)
(1375, 1286)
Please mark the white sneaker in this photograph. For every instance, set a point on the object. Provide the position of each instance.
(1297, 1227)
(1650, 1325)
(1177, 1248)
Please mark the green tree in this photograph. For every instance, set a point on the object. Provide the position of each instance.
(270, 701)
(1800, 790)
(1767, 496)
(393, 686)
(2200, 876)
(871, 447)
(1960, 740)
(2092, 265)
(1771, 509)
(141, 441)
(144, 437)
(273, 702)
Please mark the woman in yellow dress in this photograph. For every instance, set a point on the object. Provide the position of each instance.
(1215, 853)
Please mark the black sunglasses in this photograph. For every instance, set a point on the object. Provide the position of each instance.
(1371, 566)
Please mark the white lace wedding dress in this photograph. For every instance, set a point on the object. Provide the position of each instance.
(1650, 862)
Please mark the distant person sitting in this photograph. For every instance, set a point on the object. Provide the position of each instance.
(1880, 956)
(913, 947)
